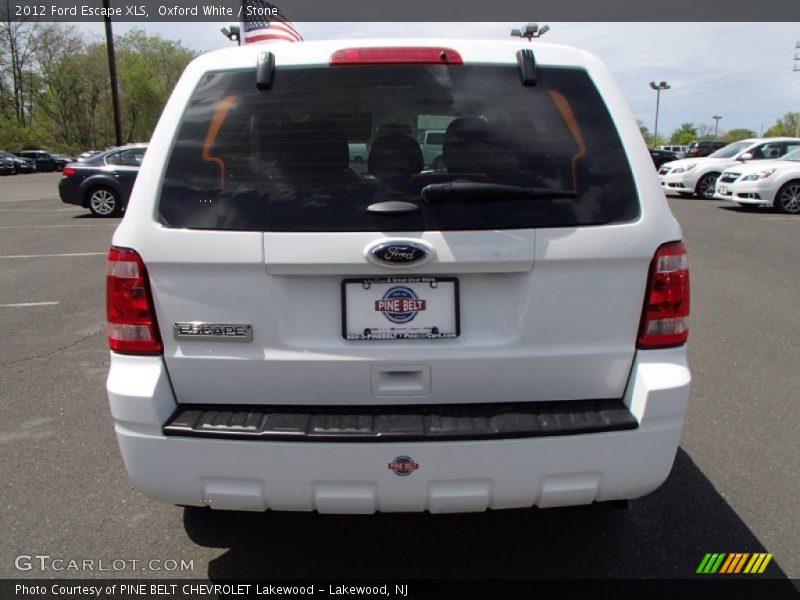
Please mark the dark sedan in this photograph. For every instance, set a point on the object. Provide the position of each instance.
(44, 162)
(6, 165)
(10, 164)
(61, 161)
(102, 183)
(662, 156)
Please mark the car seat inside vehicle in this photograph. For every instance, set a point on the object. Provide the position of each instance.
(394, 159)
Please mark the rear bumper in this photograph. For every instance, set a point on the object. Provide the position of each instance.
(414, 423)
(70, 193)
(354, 477)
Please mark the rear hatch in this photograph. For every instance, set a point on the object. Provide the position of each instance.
(284, 275)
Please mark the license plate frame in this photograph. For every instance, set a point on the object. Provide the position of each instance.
(372, 317)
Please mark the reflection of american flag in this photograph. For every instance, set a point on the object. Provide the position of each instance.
(263, 28)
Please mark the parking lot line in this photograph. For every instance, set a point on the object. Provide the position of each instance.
(40, 209)
(57, 226)
(28, 304)
(53, 255)
(786, 218)
(13, 201)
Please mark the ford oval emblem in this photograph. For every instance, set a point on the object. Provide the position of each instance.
(399, 253)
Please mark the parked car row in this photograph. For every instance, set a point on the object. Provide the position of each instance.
(698, 176)
(11, 164)
(98, 180)
(29, 161)
(697, 149)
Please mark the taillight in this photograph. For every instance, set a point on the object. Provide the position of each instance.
(395, 56)
(666, 308)
(132, 327)
(69, 171)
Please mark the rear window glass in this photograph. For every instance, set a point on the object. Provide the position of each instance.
(326, 145)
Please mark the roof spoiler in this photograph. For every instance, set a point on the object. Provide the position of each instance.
(527, 66)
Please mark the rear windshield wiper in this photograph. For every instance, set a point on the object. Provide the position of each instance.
(470, 191)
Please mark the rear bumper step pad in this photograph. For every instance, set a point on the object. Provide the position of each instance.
(400, 423)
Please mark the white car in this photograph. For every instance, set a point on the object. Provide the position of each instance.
(774, 183)
(698, 176)
(509, 331)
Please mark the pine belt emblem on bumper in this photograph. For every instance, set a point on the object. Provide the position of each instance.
(213, 332)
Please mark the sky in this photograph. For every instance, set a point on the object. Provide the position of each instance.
(740, 71)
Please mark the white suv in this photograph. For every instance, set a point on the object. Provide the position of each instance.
(679, 150)
(288, 334)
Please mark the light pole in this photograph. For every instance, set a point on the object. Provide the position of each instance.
(658, 87)
(716, 125)
(112, 72)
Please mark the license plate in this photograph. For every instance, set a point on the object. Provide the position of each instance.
(723, 189)
(400, 308)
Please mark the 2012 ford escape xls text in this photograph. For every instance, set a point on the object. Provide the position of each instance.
(296, 328)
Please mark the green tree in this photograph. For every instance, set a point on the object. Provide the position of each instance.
(16, 63)
(734, 135)
(684, 135)
(74, 95)
(648, 137)
(72, 98)
(14, 136)
(141, 96)
(149, 67)
(786, 125)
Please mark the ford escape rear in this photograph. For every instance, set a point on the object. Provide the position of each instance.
(507, 330)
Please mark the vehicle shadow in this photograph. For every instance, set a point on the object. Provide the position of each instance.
(665, 534)
(90, 216)
(748, 210)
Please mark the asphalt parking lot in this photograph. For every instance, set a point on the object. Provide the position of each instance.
(734, 487)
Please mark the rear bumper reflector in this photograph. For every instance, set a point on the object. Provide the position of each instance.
(400, 423)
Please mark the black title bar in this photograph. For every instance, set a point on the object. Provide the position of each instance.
(743, 588)
(408, 10)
